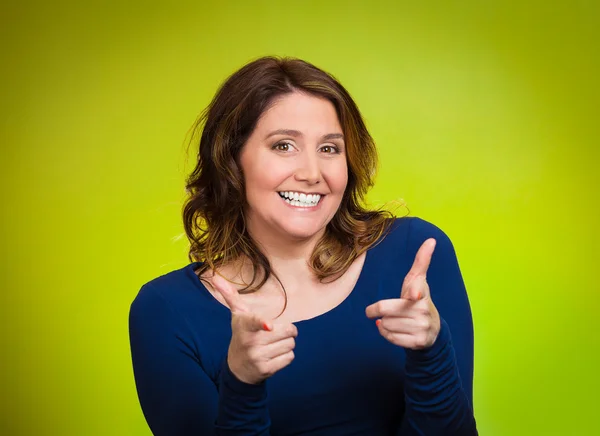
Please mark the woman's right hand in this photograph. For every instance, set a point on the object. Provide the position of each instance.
(258, 348)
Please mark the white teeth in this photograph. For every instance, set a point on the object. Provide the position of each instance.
(300, 199)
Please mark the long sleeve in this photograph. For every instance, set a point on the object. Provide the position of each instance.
(439, 380)
(177, 396)
(242, 407)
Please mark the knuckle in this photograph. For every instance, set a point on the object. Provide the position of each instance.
(290, 356)
(246, 341)
(236, 325)
(378, 307)
(424, 324)
(263, 369)
(239, 338)
(253, 355)
(385, 323)
(388, 335)
(421, 341)
(424, 310)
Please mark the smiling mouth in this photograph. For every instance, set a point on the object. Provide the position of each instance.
(300, 199)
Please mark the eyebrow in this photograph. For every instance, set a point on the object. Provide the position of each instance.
(297, 133)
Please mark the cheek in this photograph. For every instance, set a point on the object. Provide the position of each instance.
(338, 177)
(264, 174)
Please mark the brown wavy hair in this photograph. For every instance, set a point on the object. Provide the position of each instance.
(213, 214)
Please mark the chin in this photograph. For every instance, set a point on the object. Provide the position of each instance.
(301, 230)
(289, 224)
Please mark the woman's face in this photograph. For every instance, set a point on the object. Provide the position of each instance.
(295, 170)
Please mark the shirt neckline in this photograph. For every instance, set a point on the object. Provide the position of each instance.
(191, 268)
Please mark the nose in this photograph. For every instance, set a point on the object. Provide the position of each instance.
(308, 169)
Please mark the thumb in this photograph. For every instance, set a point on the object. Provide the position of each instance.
(230, 295)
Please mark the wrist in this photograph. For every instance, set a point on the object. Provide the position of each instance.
(439, 344)
(239, 386)
(237, 372)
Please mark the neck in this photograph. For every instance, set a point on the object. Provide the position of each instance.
(289, 257)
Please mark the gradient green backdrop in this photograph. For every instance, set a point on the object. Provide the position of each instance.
(486, 116)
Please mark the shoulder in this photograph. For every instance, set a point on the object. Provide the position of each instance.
(174, 279)
(396, 248)
(178, 288)
(405, 236)
(411, 232)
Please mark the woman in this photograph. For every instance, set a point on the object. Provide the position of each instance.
(303, 313)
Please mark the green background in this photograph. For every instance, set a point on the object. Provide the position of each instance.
(486, 117)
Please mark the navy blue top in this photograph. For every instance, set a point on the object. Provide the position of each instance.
(346, 379)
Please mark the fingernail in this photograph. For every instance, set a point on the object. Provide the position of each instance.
(266, 327)
(378, 322)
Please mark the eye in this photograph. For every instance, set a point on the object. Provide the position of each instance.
(330, 149)
(282, 146)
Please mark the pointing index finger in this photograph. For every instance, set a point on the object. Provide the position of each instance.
(422, 260)
(233, 300)
(230, 295)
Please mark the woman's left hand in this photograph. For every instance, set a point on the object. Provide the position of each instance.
(411, 321)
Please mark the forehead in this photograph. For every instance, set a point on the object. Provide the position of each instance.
(302, 112)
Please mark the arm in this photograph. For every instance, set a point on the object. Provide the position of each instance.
(177, 397)
(439, 380)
